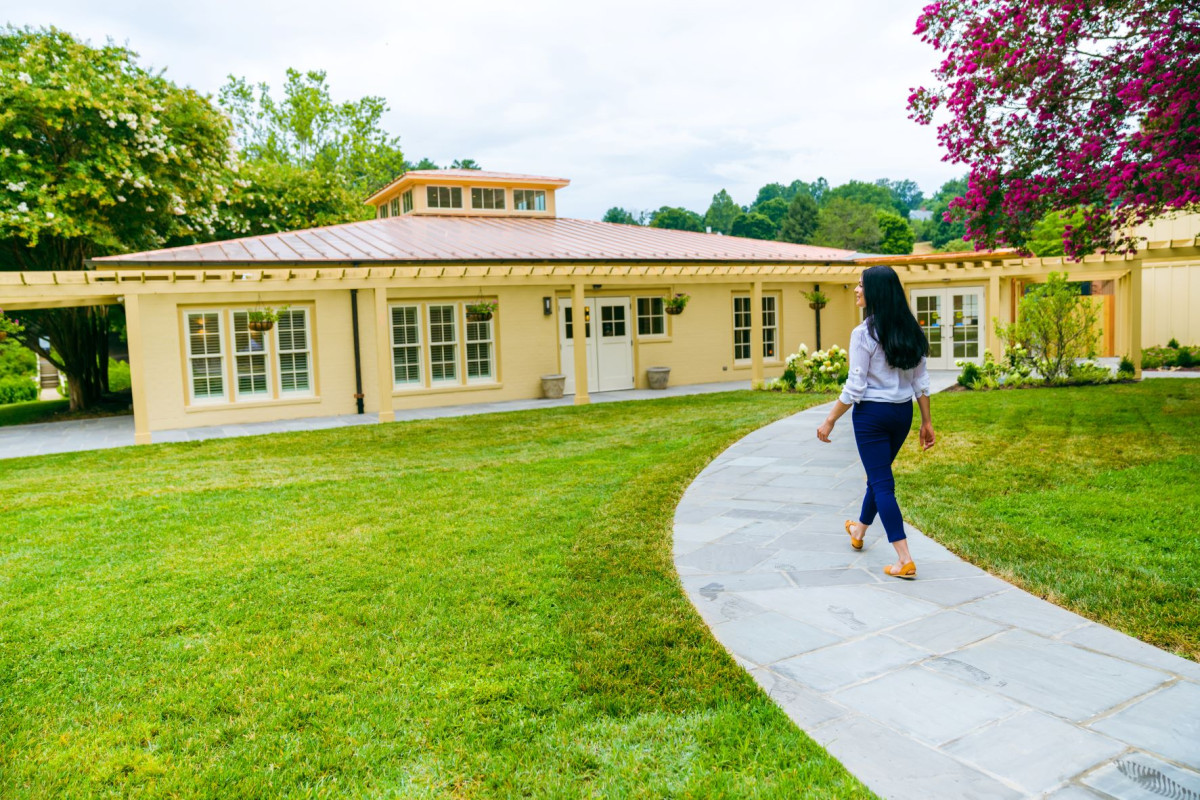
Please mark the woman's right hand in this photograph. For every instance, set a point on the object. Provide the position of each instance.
(927, 435)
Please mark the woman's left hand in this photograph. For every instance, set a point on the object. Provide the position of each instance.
(825, 429)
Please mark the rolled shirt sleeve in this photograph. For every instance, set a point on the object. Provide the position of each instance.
(920, 380)
(860, 362)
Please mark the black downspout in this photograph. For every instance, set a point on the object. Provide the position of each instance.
(816, 288)
(358, 396)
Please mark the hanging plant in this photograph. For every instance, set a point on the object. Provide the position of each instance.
(481, 311)
(263, 319)
(676, 305)
(816, 299)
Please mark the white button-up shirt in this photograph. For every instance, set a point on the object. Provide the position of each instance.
(872, 378)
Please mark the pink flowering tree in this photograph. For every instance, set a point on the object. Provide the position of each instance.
(1057, 105)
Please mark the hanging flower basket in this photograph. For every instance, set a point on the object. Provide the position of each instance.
(816, 299)
(263, 319)
(481, 311)
(816, 306)
(676, 305)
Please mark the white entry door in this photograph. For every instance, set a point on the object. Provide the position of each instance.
(609, 342)
(952, 320)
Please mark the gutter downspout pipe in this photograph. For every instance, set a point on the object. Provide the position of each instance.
(358, 396)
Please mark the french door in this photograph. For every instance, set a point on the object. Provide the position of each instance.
(952, 320)
(610, 353)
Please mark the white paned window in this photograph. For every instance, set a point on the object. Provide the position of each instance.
(529, 200)
(382, 211)
(741, 329)
(206, 356)
(770, 328)
(406, 346)
(295, 352)
(651, 319)
(444, 196)
(406, 202)
(394, 207)
(480, 366)
(487, 198)
(250, 359)
(443, 344)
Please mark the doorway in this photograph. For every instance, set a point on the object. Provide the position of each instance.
(609, 355)
(952, 320)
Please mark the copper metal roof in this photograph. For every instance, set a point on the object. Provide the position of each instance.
(417, 239)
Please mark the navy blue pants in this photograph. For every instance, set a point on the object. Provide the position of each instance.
(880, 430)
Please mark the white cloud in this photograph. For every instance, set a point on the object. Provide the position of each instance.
(640, 104)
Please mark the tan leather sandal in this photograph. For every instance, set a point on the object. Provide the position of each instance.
(855, 543)
(907, 571)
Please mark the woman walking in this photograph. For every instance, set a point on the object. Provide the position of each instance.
(887, 369)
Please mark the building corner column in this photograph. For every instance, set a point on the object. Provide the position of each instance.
(993, 316)
(383, 355)
(756, 333)
(137, 368)
(579, 325)
(1135, 317)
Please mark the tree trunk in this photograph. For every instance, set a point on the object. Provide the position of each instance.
(78, 346)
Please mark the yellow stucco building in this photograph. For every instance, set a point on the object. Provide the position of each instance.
(376, 311)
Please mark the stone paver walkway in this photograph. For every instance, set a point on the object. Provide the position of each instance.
(956, 685)
(107, 432)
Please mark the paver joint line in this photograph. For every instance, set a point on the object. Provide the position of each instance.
(991, 663)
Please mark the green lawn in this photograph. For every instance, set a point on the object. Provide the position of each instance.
(475, 607)
(1085, 496)
(59, 410)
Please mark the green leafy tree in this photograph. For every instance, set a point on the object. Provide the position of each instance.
(677, 219)
(1047, 235)
(818, 189)
(98, 156)
(754, 226)
(775, 210)
(943, 230)
(849, 225)
(308, 129)
(424, 163)
(956, 246)
(721, 213)
(896, 236)
(870, 194)
(905, 194)
(268, 196)
(1054, 327)
(466, 163)
(623, 217)
(801, 221)
(771, 191)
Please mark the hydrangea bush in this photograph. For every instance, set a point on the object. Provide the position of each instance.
(822, 371)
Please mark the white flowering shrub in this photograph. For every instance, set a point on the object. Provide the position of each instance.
(824, 370)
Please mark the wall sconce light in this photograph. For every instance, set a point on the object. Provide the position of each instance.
(597, 285)
(546, 306)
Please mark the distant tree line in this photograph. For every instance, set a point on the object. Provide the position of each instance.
(866, 217)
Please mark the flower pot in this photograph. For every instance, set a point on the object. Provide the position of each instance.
(816, 306)
(475, 316)
(673, 311)
(657, 377)
(262, 326)
(553, 385)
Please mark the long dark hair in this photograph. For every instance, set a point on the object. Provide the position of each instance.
(890, 320)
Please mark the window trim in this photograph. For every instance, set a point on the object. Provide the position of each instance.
(406, 202)
(433, 197)
(307, 351)
(638, 316)
(268, 374)
(420, 382)
(774, 299)
(489, 191)
(189, 358)
(461, 381)
(537, 194)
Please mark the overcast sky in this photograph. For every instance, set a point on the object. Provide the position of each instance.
(639, 104)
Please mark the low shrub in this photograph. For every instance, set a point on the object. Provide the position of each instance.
(118, 376)
(1173, 355)
(1014, 373)
(823, 371)
(15, 389)
(1126, 370)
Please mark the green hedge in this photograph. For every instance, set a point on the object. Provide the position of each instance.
(17, 390)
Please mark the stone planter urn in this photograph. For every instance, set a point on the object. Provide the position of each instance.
(553, 385)
(657, 377)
